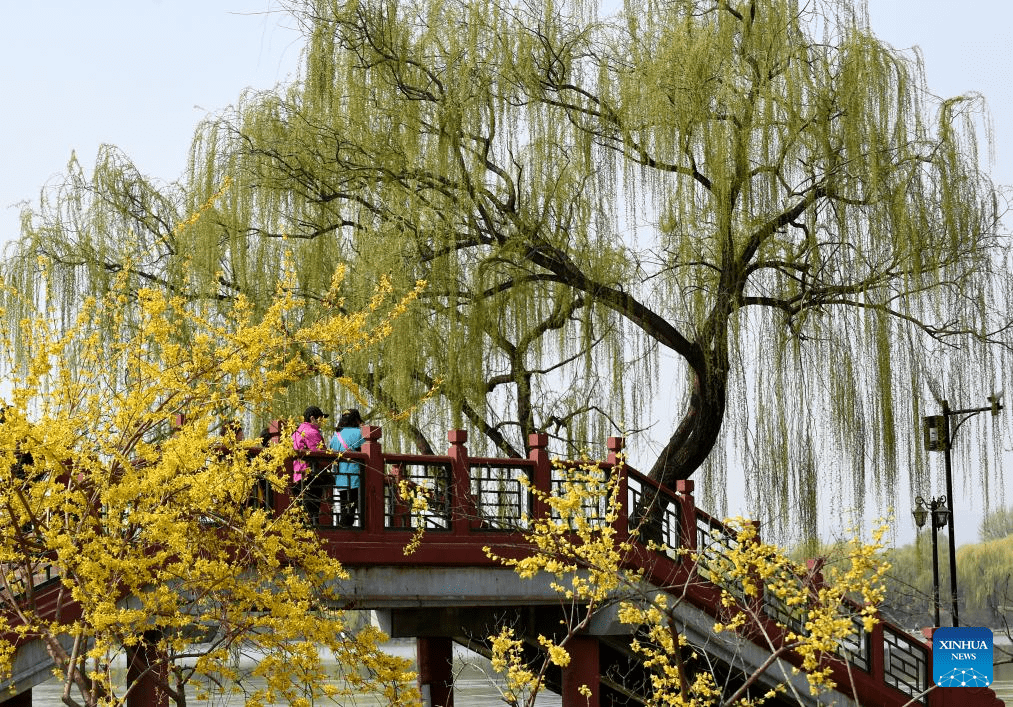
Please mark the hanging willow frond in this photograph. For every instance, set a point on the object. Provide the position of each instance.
(764, 193)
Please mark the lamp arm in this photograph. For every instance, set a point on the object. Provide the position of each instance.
(968, 414)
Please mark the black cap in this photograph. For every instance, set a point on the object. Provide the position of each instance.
(313, 411)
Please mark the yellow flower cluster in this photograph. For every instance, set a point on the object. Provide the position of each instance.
(522, 684)
(418, 499)
(141, 500)
(576, 544)
(817, 608)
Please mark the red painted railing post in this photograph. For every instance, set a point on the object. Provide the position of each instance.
(814, 581)
(815, 567)
(687, 514)
(615, 447)
(462, 510)
(622, 523)
(280, 500)
(373, 479)
(541, 475)
(274, 431)
(877, 658)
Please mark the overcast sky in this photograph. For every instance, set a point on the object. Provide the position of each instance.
(140, 74)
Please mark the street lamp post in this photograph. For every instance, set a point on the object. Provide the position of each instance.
(940, 516)
(939, 438)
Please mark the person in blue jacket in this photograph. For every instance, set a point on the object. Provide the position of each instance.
(347, 481)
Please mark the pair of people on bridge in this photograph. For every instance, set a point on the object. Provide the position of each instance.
(318, 483)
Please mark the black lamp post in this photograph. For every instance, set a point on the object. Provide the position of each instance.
(940, 515)
(939, 438)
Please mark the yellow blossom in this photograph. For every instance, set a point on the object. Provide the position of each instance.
(142, 501)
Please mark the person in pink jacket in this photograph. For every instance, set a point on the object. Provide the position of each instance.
(314, 483)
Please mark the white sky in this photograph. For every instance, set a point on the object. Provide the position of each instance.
(140, 74)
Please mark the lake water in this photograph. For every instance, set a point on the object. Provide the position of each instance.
(473, 686)
(1002, 683)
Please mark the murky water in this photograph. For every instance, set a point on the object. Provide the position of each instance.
(1002, 683)
(473, 686)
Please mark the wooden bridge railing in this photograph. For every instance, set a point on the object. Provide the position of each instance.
(476, 496)
(473, 497)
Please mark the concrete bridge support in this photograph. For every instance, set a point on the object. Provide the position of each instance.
(436, 671)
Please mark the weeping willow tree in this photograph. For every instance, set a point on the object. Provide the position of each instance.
(753, 212)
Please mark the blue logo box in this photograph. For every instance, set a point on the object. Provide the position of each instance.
(962, 657)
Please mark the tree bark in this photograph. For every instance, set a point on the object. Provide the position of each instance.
(697, 433)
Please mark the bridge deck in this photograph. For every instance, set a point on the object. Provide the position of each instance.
(477, 502)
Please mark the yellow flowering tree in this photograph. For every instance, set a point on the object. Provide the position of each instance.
(594, 568)
(576, 543)
(130, 526)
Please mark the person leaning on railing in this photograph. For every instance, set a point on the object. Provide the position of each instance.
(348, 438)
(312, 481)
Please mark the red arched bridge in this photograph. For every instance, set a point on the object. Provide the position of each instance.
(450, 591)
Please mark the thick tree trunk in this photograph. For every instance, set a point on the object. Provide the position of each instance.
(687, 449)
(697, 433)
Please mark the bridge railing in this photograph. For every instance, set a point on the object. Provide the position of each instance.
(481, 495)
(490, 494)
(430, 479)
(657, 514)
(905, 660)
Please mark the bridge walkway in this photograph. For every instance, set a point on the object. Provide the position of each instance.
(450, 590)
